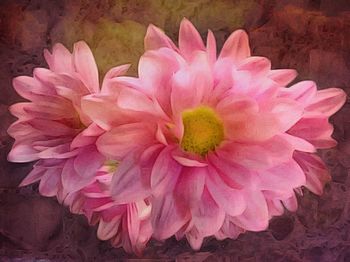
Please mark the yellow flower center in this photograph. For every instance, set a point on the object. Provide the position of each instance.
(203, 130)
(111, 165)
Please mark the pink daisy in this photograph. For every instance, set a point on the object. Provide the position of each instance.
(225, 143)
(125, 225)
(52, 127)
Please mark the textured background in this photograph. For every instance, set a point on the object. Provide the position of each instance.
(312, 36)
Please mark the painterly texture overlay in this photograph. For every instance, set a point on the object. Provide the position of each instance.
(311, 36)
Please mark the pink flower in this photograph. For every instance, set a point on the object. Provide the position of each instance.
(224, 143)
(125, 225)
(52, 127)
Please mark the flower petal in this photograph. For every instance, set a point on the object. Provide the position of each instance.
(189, 39)
(278, 179)
(113, 73)
(165, 173)
(155, 39)
(229, 199)
(190, 186)
(282, 76)
(236, 46)
(128, 183)
(85, 65)
(168, 216)
(60, 61)
(116, 144)
(255, 217)
(316, 172)
(207, 216)
(303, 92)
(316, 130)
(108, 229)
(211, 47)
(327, 101)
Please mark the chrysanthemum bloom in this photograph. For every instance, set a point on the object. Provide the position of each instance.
(125, 225)
(52, 128)
(225, 143)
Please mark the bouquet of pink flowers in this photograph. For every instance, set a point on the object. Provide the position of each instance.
(199, 144)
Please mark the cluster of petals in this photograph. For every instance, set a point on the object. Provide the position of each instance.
(202, 144)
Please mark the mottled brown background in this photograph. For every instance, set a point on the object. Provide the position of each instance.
(312, 36)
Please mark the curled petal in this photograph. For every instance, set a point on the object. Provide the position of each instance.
(155, 39)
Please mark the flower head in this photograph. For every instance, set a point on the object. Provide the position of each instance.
(125, 225)
(224, 142)
(52, 126)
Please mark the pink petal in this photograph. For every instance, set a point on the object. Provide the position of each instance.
(191, 85)
(211, 47)
(299, 143)
(247, 126)
(131, 99)
(168, 216)
(128, 183)
(194, 238)
(22, 153)
(277, 179)
(50, 183)
(328, 101)
(228, 230)
(60, 61)
(33, 176)
(302, 92)
(255, 217)
(207, 216)
(113, 73)
(102, 111)
(71, 180)
(229, 199)
(107, 230)
(236, 46)
(60, 151)
(155, 71)
(188, 162)
(52, 128)
(30, 88)
(282, 76)
(291, 203)
(155, 39)
(258, 66)
(315, 130)
(234, 175)
(189, 39)
(88, 161)
(85, 65)
(258, 156)
(316, 172)
(116, 143)
(165, 173)
(190, 186)
(133, 223)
